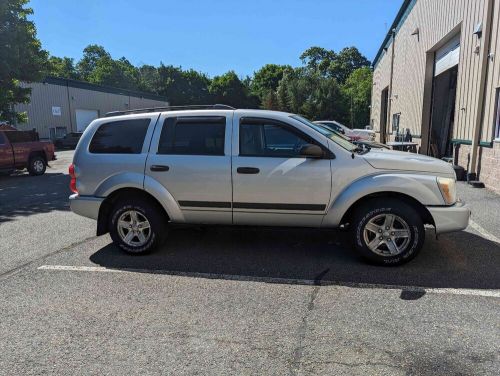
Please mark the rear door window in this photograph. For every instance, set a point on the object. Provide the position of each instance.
(193, 135)
(120, 137)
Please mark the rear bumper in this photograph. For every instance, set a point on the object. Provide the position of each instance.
(450, 218)
(86, 206)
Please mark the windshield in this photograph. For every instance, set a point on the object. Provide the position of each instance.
(334, 136)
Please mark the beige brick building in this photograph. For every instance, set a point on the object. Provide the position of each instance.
(59, 106)
(437, 73)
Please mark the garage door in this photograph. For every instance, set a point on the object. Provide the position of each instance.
(84, 118)
(447, 56)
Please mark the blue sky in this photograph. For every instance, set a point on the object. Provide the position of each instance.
(212, 36)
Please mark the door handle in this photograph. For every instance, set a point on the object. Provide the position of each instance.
(247, 170)
(159, 168)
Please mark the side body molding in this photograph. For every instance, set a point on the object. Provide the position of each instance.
(422, 188)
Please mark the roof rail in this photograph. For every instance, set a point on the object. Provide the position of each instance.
(172, 108)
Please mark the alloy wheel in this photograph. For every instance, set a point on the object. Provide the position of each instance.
(38, 165)
(387, 235)
(134, 228)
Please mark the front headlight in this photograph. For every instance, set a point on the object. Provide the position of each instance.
(448, 189)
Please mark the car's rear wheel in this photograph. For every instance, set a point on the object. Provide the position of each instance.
(37, 165)
(138, 226)
(388, 231)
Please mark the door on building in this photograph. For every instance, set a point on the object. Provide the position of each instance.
(384, 103)
(443, 99)
(84, 118)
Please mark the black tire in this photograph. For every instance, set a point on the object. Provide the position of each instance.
(37, 165)
(374, 210)
(151, 212)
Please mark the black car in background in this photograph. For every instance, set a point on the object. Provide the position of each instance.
(69, 141)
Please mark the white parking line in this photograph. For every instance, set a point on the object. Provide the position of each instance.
(484, 233)
(432, 290)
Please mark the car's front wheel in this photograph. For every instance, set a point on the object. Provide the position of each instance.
(388, 231)
(137, 226)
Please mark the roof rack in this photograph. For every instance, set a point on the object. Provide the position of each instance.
(172, 108)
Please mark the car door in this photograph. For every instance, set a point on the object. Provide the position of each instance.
(6, 156)
(272, 183)
(190, 156)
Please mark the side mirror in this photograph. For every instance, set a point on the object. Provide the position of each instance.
(311, 151)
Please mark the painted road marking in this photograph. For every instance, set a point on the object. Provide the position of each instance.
(431, 290)
(484, 233)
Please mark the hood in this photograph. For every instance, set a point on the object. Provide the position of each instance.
(404, 161)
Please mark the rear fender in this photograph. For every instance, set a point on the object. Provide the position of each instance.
(422, 188)
(119, 181)
(147, 183)
(143, 183)
(168, 202)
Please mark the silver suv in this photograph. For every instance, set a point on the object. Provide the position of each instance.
(136, 172)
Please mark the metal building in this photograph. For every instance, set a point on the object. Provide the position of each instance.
(59, 106)
(438, 73)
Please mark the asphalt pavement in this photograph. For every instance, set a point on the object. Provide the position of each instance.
(221, 300)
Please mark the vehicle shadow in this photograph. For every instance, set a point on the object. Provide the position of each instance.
(303, 256)
(24, 195)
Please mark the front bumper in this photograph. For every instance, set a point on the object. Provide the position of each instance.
(87, 206)
(450, 218)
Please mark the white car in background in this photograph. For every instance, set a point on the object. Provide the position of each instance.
(353, 134)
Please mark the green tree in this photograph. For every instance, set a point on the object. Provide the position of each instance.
(148, 78)
(21, 57)
(118, 73)
(92, 54)
(346, 62)
(267, 79)
(318, 59)
(229, 89)
(358, 91)
(62, 67)
(309, 93)
(183, 87)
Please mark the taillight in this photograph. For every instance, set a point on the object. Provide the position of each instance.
(72, 183)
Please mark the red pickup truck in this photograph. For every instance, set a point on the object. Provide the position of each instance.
(19, 150)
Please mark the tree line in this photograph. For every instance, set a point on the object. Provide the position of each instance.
(328, 85)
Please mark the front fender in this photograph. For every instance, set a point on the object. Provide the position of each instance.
(422, 188)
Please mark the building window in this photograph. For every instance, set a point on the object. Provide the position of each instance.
(497, 116)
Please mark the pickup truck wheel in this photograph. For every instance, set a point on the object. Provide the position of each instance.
(137, 226)
(37, 165)
(388, 232)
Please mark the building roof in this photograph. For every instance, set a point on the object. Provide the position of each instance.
(405, 9)
(102, 88)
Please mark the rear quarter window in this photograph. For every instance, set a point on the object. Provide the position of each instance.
(120, 137)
